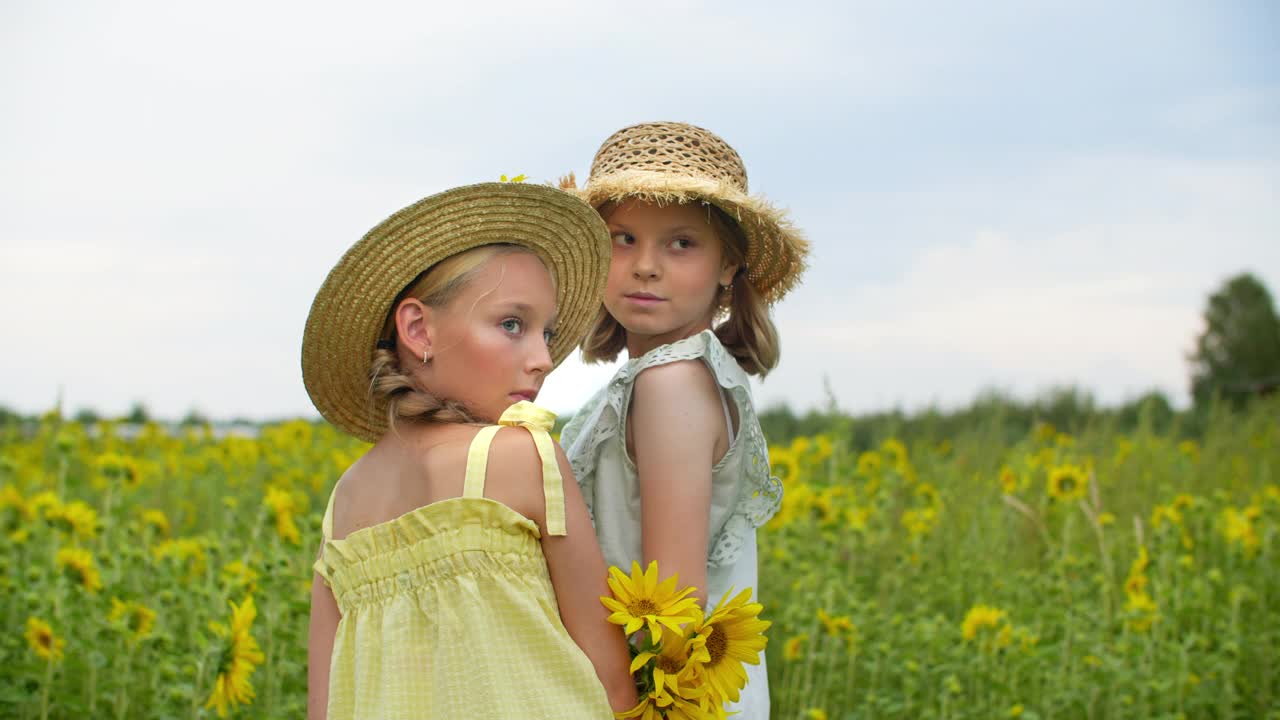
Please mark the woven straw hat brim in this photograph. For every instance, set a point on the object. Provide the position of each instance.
(351, 307)
(776, 249)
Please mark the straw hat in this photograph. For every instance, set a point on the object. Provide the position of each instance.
(351, 307)
(671, 162)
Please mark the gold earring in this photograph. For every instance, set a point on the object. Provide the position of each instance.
(426, 359)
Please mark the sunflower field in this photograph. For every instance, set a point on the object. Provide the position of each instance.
(1095, 573)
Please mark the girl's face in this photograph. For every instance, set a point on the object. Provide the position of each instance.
(488, 346)
(666, 272)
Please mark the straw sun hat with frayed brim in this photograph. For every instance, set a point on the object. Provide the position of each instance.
(350, 310)
(671, 162)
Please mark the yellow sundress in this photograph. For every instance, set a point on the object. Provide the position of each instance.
(448, 610)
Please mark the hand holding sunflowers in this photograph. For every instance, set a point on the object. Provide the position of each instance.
(694, 666)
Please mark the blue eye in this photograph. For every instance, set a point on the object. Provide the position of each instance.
(512, 325)
(548, 336)
(621, 238)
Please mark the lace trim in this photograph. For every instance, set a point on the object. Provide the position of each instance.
(604, 417)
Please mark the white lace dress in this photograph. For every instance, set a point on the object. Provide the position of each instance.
(744, 495)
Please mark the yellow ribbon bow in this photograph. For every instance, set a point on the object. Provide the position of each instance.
(538, 421)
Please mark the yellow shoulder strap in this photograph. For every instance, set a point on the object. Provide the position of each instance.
(538, 422)
(326, 527)
(478, 462)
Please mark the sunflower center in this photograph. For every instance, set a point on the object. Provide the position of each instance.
(44, 639)
(717, 643)
(1068, 484)
(669, 665)
(226, 659)
(643, 606)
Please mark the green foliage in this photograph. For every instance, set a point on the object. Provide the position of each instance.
(1237, 357)
(881, 552)
(1004, 416)
(882, 562)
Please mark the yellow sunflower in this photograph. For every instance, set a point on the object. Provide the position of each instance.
(156, 519)
(1143, 612)
(979, 618)
(732, 635)
(641, 600)
(283, 506)
(136, 618)
(1238, 529)
(42, 641)
(895, 453)
(836, 624)
(676, 666)
(46, 502)
(793, 649)
(189, 551)
(76, 517)
(118, 469)
(869, 463)
(1068, 483)
(81, 566)
(930, 494)
(1141, 562)
(10, 497)
(1008, 480)
(1135, 585)
(857, 517)
(677, 709)
(784, 464)
(240, 658)
(238, 575)
(920, 521)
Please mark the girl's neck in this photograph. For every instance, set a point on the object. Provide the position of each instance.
(638, 345)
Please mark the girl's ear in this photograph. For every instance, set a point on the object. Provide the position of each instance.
(415, 328)
(728, 271)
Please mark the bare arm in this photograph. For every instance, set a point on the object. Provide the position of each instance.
(579, 577)
(676, 422)
(324, 626)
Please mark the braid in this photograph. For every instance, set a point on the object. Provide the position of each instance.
(405, 399)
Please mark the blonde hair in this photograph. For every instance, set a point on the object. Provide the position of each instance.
(437, 286)
(747, 331)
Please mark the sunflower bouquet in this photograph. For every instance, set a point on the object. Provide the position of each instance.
(686, 664)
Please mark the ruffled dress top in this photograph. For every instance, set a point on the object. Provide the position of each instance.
(448, 610)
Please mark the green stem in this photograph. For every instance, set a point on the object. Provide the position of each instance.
(44, 691)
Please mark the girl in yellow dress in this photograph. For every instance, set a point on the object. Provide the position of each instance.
(459, 575)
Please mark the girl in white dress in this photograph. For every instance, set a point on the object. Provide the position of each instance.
(669, 455)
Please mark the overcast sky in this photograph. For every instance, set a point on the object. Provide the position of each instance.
(999, 194)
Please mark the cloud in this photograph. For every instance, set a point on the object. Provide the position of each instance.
(988, 203)
(1111, 303)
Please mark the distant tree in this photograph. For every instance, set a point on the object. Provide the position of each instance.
(194, 418)
(1151, 411)
(87, 416)
(1238, 355)
(137, 414)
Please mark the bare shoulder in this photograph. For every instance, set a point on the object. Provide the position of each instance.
(352, 496)
(681, 381)
(513, 447)
(514, 472)
(675, 411)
